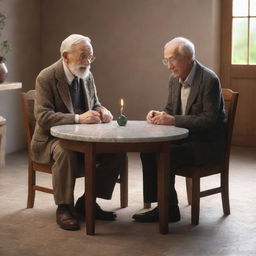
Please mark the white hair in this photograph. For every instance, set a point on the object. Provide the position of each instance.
(184, 46)
(68, 43)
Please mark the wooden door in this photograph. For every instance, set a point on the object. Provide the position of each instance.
(240, 78)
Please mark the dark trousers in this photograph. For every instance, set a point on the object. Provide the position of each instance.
(108, 168)
(180, 153)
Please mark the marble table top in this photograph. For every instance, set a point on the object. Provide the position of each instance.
(134, 131)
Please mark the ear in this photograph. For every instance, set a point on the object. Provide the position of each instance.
(65, 57)
(189, 59)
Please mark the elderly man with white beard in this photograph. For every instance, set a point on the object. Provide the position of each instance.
(66, 94)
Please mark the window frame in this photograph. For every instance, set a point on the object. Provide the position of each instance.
(249, 19)
(227, 69)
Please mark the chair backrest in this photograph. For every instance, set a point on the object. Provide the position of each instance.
(27, 100)
(231, 99)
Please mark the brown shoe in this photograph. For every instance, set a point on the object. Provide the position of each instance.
(66, 220)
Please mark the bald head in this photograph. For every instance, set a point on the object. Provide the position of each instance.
(77, 54)
(181, 46)
(179, 55)
(69, 43)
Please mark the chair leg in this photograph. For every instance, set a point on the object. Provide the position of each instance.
(195, 200)
(225, 193)
(189, 190)
(31, 183)
(124, 184)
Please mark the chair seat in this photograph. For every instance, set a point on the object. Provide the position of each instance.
(201, 170)
(42, 167)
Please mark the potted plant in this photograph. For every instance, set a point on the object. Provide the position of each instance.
(4, 49)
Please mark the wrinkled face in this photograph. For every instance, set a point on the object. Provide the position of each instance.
(78, 59)
(179, 65)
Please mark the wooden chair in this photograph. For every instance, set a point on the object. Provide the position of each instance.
(27, 100)
(194, 173)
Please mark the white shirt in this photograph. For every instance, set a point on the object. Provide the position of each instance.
(186, 87)
(68, 74)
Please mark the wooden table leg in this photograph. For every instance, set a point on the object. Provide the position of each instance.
(163, 187)
(90, 166)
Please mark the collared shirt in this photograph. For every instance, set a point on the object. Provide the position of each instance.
(186, 87)
(70, 78)
(68, 74)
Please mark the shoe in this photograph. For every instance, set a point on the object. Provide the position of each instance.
(100, 214)
(153, 215)
(66, 220)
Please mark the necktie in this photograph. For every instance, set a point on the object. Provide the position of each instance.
(74, 92)
(77, 95)
(74, 83)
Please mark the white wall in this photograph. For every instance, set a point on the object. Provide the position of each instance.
(23, 62)
(128, 39)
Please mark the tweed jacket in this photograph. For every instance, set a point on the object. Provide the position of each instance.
(204, 115)
(53, 106)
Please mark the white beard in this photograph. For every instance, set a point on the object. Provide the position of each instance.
(75, 69)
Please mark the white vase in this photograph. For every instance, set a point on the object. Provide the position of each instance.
(3, 72)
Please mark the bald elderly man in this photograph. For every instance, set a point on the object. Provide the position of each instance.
(66, 94)
(195, 102)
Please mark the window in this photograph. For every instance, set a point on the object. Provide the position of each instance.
(244, 32)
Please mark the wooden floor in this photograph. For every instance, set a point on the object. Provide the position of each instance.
(34, 231)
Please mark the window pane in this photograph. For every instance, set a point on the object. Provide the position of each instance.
(253, 7)
(240, 7)
(252, 56)
(239, 40)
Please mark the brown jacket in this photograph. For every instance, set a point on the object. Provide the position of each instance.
(53, 106)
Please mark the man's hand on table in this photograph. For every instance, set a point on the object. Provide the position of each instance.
(90, 117)
(105, 115)
(161, 118)
(95, 116)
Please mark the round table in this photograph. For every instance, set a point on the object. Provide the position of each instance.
(136, 136)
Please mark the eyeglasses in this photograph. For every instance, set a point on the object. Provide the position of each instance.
(170, 60)
(89, 58)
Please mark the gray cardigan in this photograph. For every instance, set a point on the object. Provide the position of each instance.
(204, 116)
